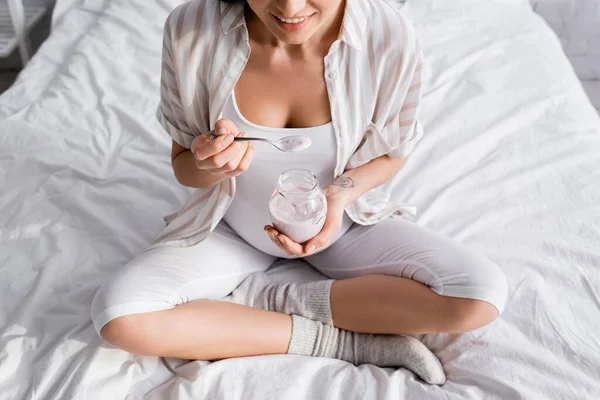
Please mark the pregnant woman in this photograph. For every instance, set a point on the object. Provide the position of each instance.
(347, 74)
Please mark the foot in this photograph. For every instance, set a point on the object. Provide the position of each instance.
(400, 351)
(251, 290)
(310, 300)
(313, 338)
(252, 284)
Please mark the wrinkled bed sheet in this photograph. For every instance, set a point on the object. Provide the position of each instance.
(509, 164)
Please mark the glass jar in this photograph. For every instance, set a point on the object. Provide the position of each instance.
(298, 206)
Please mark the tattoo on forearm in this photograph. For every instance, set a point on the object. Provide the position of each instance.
(344, 182)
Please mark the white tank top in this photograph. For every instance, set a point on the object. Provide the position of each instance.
(249, 211)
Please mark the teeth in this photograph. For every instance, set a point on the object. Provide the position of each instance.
(291, 20)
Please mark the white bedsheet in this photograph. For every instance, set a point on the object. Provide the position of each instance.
(509, 164)
(71, 20)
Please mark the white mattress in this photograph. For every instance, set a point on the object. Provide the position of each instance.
(509, 164)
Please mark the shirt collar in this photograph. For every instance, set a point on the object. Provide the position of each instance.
(232, 15)
(353, 24)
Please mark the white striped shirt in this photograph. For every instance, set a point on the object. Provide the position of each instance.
(373, 74)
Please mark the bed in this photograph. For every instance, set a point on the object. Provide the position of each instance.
(509, 164)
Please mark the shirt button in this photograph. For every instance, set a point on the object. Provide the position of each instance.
(332, 75)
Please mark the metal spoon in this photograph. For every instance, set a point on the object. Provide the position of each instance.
(287, 143)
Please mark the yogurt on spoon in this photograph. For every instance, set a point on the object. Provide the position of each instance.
(293, 143)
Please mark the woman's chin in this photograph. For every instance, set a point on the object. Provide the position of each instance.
(292, 39)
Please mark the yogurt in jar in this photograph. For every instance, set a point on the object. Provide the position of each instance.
(298, 206)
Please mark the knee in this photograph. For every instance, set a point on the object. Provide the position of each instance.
(465, 315)
(131, 317)
(478, 297)
(481, 296)
(132, 333)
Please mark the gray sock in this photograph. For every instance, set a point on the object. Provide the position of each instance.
(312, 338)
(310, 300)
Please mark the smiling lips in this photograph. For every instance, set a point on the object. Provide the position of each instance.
(292, 20)
(292, 24)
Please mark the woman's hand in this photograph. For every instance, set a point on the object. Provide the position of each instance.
(222, 156)
(333, 223)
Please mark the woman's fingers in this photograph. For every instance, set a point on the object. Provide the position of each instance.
(226, 126)
(333, 223)
(286, 244)
(225, 161)
(321, 240)
(268, 228)
(318, 242)
(245, 162)
(273, 235)
(291, 246)
(203, 148)
(198, 143)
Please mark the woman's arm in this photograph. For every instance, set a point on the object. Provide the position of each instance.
(186, 172)
(355, 182)
(344, 190)
(209, 162)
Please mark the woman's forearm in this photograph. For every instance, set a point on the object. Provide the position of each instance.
(186, 172)
(355, 182)
(346, 188)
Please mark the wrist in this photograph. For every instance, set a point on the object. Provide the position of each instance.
(343, 191)
(337, 198)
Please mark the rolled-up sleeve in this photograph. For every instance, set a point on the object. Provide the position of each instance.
(396, 130)
(402, 130)
(170, 112)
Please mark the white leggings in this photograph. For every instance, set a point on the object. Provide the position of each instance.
(162, 278)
